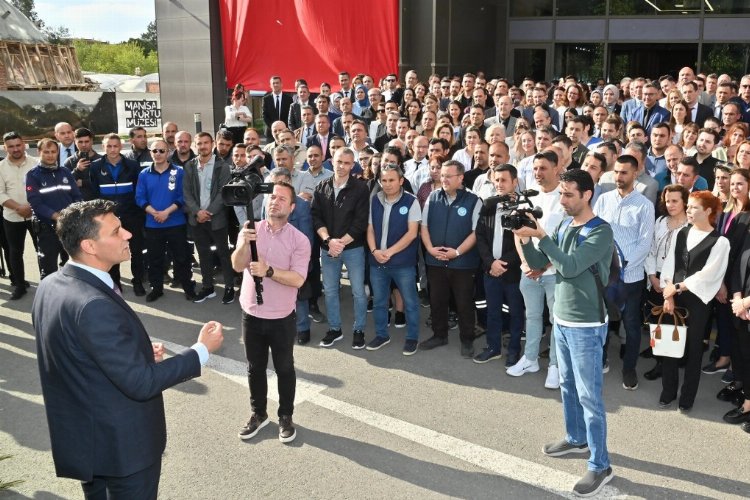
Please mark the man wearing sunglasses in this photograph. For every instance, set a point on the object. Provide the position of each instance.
(159, 194)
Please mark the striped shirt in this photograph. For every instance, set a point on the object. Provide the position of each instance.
(632, 221)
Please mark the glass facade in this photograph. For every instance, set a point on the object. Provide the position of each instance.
(584, 60)
(693, 34)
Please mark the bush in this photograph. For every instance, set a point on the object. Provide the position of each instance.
(121, 58)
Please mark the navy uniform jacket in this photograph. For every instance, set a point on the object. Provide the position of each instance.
(50, 190)
(101, 386)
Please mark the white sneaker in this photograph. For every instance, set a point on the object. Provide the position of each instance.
(553, 378)
(523, 366)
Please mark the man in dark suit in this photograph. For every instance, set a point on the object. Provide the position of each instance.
(65, 138)
(101, 376)
(295, 110)
(276, 106)
(323, 137)
(698, 112)
(650, 113)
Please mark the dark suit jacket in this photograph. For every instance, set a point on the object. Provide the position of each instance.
(295, 115)
(314, 141)
(739, 273)
(658, 115)
(736, 234)
(702, 113)
(101, 386)
(485, 233)
(269, 111)
(192, 192)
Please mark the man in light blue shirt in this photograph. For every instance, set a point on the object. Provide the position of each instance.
(631, 216)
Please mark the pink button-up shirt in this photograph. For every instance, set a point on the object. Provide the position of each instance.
(286, 249)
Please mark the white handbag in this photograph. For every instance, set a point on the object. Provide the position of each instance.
(669, 340)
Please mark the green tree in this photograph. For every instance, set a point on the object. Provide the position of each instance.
(120, 58)
(27, 8)
(147, 40)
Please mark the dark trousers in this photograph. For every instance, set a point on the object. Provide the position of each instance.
(696, 324)
(49, 250)
(741, 354)
(724, 326)
(15, 235)
(259, 335)
(632, 318)
(499, 293)
(205, 237)
(443, 281)
(143, 485)
(157, 241)
(314, 275)
(134, 225)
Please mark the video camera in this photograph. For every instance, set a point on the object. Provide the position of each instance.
(245, 185)
(516, 217)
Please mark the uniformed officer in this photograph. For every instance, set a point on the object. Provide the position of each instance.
(49, 189)
(114, 177)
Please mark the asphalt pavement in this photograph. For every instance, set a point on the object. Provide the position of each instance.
(376, 424)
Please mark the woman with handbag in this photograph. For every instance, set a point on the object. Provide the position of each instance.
(691, 276)
(674, 200)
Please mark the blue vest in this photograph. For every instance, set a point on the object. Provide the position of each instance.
(398, 225)
(449, 225)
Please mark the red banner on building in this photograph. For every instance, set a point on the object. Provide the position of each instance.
(310, 39)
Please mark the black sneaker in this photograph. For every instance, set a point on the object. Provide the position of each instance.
(315, 314)
(18, 292)
(400, 320)
(303, 337)
(563, 447)
(467, 349)
(377, 343)
(190, 294)
(654, 373)
(287, 432)
(452, 321)
(410, 347)
(358, 339)
(592, 482)
(630, 380)
(712, 368)
(728, 377)
(432, 343)
(154, 294)
(228, 295)
(487, 355)
(255, 424)
(138, 289)
(331, 337)
(205, 293)
(424, 299)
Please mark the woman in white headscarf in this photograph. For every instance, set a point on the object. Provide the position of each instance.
(610, 99)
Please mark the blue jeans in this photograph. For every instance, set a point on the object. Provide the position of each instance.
(632, 319)
(581, 387)
(354, 258)
(303, 320)
(499, 293)
(534, 293)
(406, 282)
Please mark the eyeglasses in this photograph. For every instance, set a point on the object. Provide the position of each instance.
(160, 151)
(381, 110)
(448, 176)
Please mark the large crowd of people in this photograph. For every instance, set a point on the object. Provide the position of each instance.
(416, 193)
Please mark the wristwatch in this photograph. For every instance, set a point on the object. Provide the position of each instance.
(327, 240)
(677, 287)
(269, 272)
